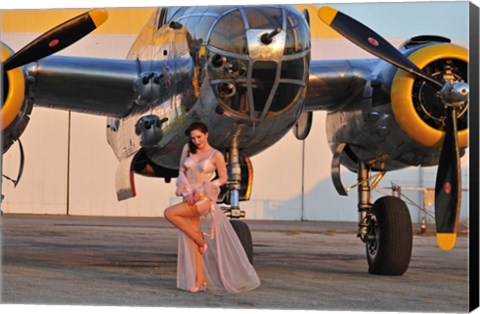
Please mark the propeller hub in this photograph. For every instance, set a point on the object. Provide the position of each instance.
(460, 91)
(455, 94)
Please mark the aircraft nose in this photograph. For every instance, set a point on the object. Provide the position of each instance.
(258, 60)
(261, 31)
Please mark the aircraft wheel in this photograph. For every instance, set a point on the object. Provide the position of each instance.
(389, 237)
(243, 233)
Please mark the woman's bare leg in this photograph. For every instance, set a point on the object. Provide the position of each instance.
(180, 215)
(199, 276)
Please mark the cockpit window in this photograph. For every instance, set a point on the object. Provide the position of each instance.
(199, 26)
(293, 69)
(218, 10)
(229, 34)
(266, 18)
(297, 36)
(257, 60)
(175, 13)
(263, 79)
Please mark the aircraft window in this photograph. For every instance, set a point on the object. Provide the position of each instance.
(171, 12)
(229, 33)
(190, 23)
(198, 26)
(200, 10)
(284, 96)
(204, 27)
(218, 10)
(293, 69)
(263, 78)
(297, 38)
(176, 14)
(269, 18)
(189, 11)
(233, 96)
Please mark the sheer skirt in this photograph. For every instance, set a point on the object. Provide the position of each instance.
(225, 263)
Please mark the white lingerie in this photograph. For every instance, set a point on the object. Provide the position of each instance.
(225, 264)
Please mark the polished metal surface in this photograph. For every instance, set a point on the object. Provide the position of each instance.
(336, 84)
(89, 85)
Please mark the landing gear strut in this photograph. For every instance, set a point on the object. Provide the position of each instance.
(234, 184)
(385, 227)
(234, 212)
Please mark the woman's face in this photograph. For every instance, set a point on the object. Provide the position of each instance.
(199, 138)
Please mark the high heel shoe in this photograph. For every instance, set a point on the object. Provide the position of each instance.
(202, 287)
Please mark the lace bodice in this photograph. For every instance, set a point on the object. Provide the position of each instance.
(199, 172)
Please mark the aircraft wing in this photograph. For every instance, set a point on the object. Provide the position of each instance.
(334, 83)
(89, 85)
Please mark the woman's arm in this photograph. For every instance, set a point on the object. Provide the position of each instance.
(182, 158)
(183, 186)
(219, 162)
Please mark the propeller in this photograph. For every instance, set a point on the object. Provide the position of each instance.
(448, 182)
(448, 185)
(57, 38)
(49, 43)
(370, 41)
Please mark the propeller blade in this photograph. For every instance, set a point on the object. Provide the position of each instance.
(448, 186)
(57, 38)
(370, 41)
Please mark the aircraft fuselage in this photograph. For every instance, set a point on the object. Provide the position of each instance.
(242, 71)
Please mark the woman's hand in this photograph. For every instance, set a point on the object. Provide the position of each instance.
(190, 199)
(196, 196)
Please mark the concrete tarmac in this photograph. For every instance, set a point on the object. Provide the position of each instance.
(60, 260)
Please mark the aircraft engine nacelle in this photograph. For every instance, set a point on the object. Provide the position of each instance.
(16, 105)
(416, 108)
(400, 120)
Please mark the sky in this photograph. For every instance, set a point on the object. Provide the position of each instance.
(402, 19)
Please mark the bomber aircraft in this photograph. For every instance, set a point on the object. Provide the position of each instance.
(247, 73)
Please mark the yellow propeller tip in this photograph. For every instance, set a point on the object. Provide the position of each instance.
(98, 16)
(327, 14)
(446, 241)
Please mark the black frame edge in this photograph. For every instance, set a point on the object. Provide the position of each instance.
(474, 156)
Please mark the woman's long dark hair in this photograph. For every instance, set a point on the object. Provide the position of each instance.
(200, 126)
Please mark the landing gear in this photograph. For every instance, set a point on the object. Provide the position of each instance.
(245, 237)
(389, 237)
(234, 184)
(234, 211)
(385, 228)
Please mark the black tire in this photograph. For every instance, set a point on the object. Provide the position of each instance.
(245, 237)
(389, 237)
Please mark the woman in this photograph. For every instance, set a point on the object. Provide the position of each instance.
(217, 262)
